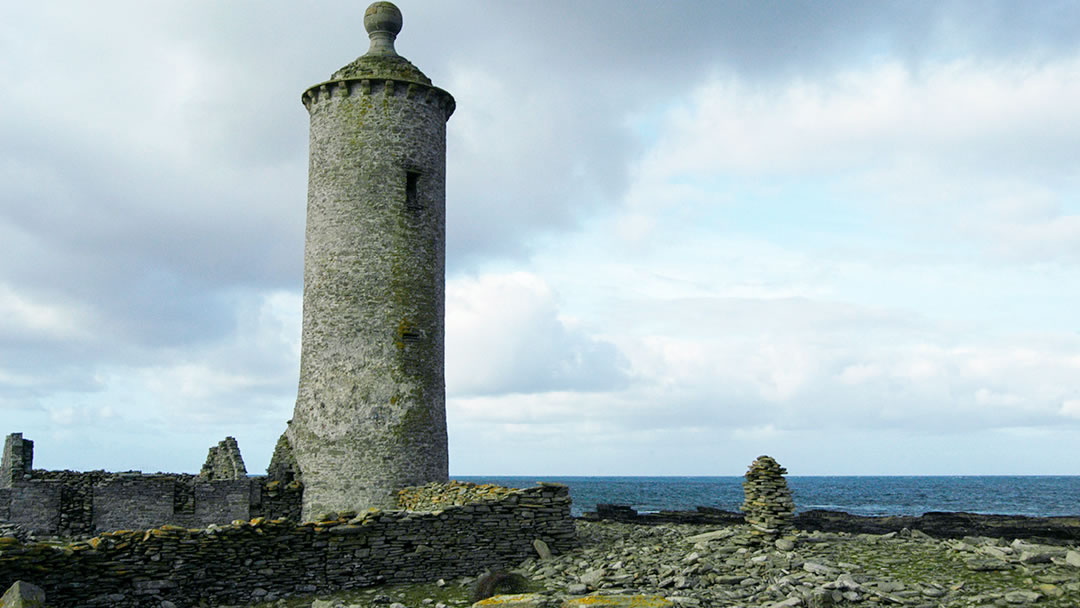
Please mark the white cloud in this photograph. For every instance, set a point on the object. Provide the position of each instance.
(985, 396)
(505, 335)
(20, 313)
(961, 115)
(1071, 408)
(982, 151)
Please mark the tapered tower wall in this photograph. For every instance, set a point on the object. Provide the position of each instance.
(370, 414)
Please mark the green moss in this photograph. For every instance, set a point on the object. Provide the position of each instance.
(454, 594)
(393, 67)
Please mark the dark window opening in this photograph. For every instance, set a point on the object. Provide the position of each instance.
(410, 337)
(412, 199)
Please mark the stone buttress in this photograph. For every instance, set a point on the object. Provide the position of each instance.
(370, 414)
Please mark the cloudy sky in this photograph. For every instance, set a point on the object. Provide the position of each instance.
(680, 235)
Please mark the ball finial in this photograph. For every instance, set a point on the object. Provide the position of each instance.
(382, 20)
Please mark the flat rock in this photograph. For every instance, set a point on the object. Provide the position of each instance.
(784, 544)
(1022, 597)
(592, 578)
(517, 600)
(986, 565)
(542, 549)
(618, 601)
(816, 568)
(1073, 558)
(708, 536)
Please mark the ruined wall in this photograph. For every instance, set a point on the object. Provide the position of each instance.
(435, 496)
(72, 503)
(261, 559)
(224, 462)
(80, 503)
(278, 499)
(16, 460)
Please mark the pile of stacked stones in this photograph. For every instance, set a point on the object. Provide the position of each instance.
(768, 505)
(435, 496)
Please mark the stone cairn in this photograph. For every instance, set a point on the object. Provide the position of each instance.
(768, 506)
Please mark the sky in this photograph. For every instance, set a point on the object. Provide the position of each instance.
(679, 235)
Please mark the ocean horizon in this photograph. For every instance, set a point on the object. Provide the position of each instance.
(1031, 495)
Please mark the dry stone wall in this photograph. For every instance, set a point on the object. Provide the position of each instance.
(435, 496)
(81, 503)
(263, 559)
(74, 504)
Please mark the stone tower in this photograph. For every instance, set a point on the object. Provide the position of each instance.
(370, 412)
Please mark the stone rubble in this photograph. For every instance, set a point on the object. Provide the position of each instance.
(695, 566)
(620, 565)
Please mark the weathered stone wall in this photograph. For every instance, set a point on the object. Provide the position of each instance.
(277, 499)
(71, 503)
(434, 496)
(262, 559)
(36, 505)
(78, 503)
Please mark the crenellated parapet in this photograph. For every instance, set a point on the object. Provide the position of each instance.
(380, 87)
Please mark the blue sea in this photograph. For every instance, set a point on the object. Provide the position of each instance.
(893, 495)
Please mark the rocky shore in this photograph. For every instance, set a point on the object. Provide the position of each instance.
(686, 565)
(1047, 530)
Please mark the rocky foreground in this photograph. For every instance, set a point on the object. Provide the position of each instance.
(620, 564)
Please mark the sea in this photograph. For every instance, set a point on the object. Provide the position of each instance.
(1039, 496)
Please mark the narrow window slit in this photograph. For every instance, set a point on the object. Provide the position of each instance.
(412, 199)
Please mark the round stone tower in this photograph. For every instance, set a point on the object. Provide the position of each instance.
(370, 413)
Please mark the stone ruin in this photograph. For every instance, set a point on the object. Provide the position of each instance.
(42, 503)
(17, 460)
(224, 462)
(262, 559)
(768, 506)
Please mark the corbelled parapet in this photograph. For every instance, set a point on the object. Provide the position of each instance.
(768, 506)
(370, 413)
(381, 71)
